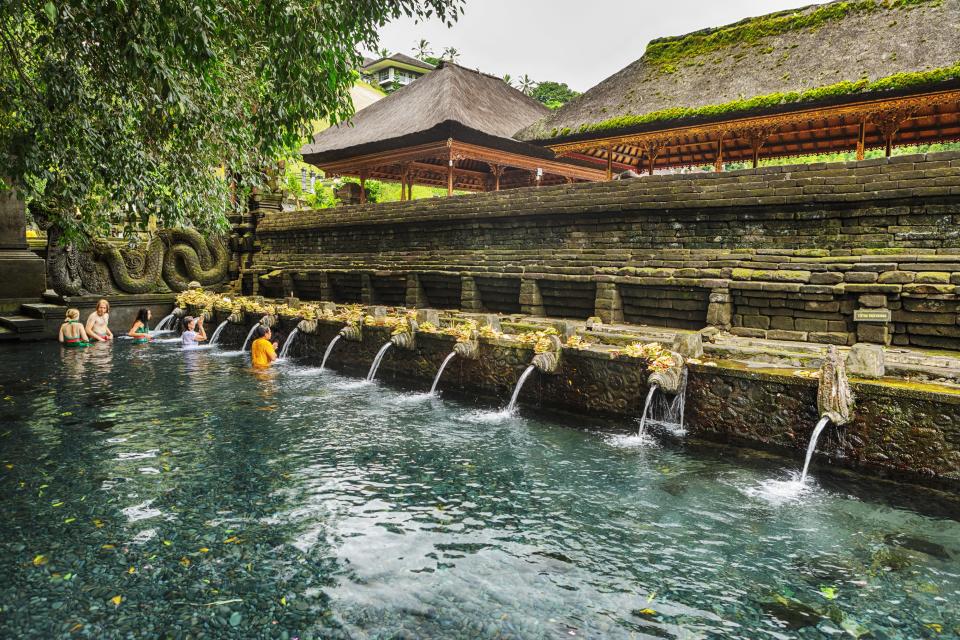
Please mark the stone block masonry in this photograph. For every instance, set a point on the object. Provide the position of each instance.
(781, 252)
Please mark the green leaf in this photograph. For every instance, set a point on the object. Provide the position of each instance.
(235, 618)
(51, 10)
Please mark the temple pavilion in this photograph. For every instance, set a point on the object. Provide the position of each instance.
(842, 76)
(450, 128)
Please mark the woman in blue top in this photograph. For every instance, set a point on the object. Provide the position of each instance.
(192, 331)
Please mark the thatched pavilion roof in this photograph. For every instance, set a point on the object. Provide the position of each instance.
(819, 54)
(451, 102)
(451, 127)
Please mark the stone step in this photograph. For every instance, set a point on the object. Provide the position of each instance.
(7, 335)
(43, 310)
(22, 324)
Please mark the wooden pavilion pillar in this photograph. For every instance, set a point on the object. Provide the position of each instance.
(757, 137)
(651, 151)
(363, 187)
(718, 164)
(862, 140)
(496, 170)
(609, 163)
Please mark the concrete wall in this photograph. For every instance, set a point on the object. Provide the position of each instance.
(781, 252)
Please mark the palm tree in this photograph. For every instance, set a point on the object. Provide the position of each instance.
(527, 84)
(508, 79)
(422, 49)
(384, 52)
(450, 54)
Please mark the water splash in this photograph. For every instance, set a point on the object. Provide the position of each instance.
(436, 380)
(216, 334)
(516, 390)
(249, 336)
(326, 354)
(377, 360)
(287, 343)
(162, 325)
(824, 421)
(646, 409)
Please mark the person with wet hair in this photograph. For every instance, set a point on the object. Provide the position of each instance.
(193, 331)
(72, 333)
(263, 352)
(140, 331)
(98, 323)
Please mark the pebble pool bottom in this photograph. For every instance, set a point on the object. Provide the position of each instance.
(147, 491)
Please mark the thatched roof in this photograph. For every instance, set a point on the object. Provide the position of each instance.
(847, 48)
(451, 102)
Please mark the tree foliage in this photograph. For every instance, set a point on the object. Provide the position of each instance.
(114, 111)
(553, 94)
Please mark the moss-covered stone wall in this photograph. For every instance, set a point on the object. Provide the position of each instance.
(795, 253)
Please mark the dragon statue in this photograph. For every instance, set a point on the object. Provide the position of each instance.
(169, 261)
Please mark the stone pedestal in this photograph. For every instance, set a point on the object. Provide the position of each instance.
(609, 304)
(22, 272)
(470, 295)
(531, 302)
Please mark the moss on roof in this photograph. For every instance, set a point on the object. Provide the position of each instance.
(665, 51)
(821, 52)
(890, 83)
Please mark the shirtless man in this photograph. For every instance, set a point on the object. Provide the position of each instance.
(98, 323)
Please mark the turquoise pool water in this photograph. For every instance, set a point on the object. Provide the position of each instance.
(151, 492)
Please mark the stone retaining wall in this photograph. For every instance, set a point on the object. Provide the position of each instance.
(866, 251)
(904, 430)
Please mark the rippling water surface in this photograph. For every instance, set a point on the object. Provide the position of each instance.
(150, 492)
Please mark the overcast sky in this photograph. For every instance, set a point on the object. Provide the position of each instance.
(574, 41)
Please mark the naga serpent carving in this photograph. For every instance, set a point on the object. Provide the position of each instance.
(169, 262)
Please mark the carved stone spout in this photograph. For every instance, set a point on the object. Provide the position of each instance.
(408, 339)
(669, 380)
(548, 361)
(307, 326)
(236, 318)
(468, 349)
(269, 321)
(834, 398)
(352, 332)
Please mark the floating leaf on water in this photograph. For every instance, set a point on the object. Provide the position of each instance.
(167, 543)
(185, 561)
(235, 618)
(644, 612)
(69, 520)
(8, 466)
(58, 503)
(76, 627)
(204, 550)
(132, 570)
(934, 626)
(232, 540)
(67, 413)
(39, 560)
(98, 523)
(283, 600)
(830, 593)
(116, 600)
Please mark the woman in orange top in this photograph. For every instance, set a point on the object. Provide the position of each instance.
(262, 351)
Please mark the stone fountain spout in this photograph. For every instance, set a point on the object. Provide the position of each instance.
(269, 321)
(669, 380)
(307, 326)
(408, 338)
(468, 349)
(352, 332)
(834, 398)
(235, 318)
(549, 361)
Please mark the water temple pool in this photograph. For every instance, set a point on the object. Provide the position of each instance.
(152, 492)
